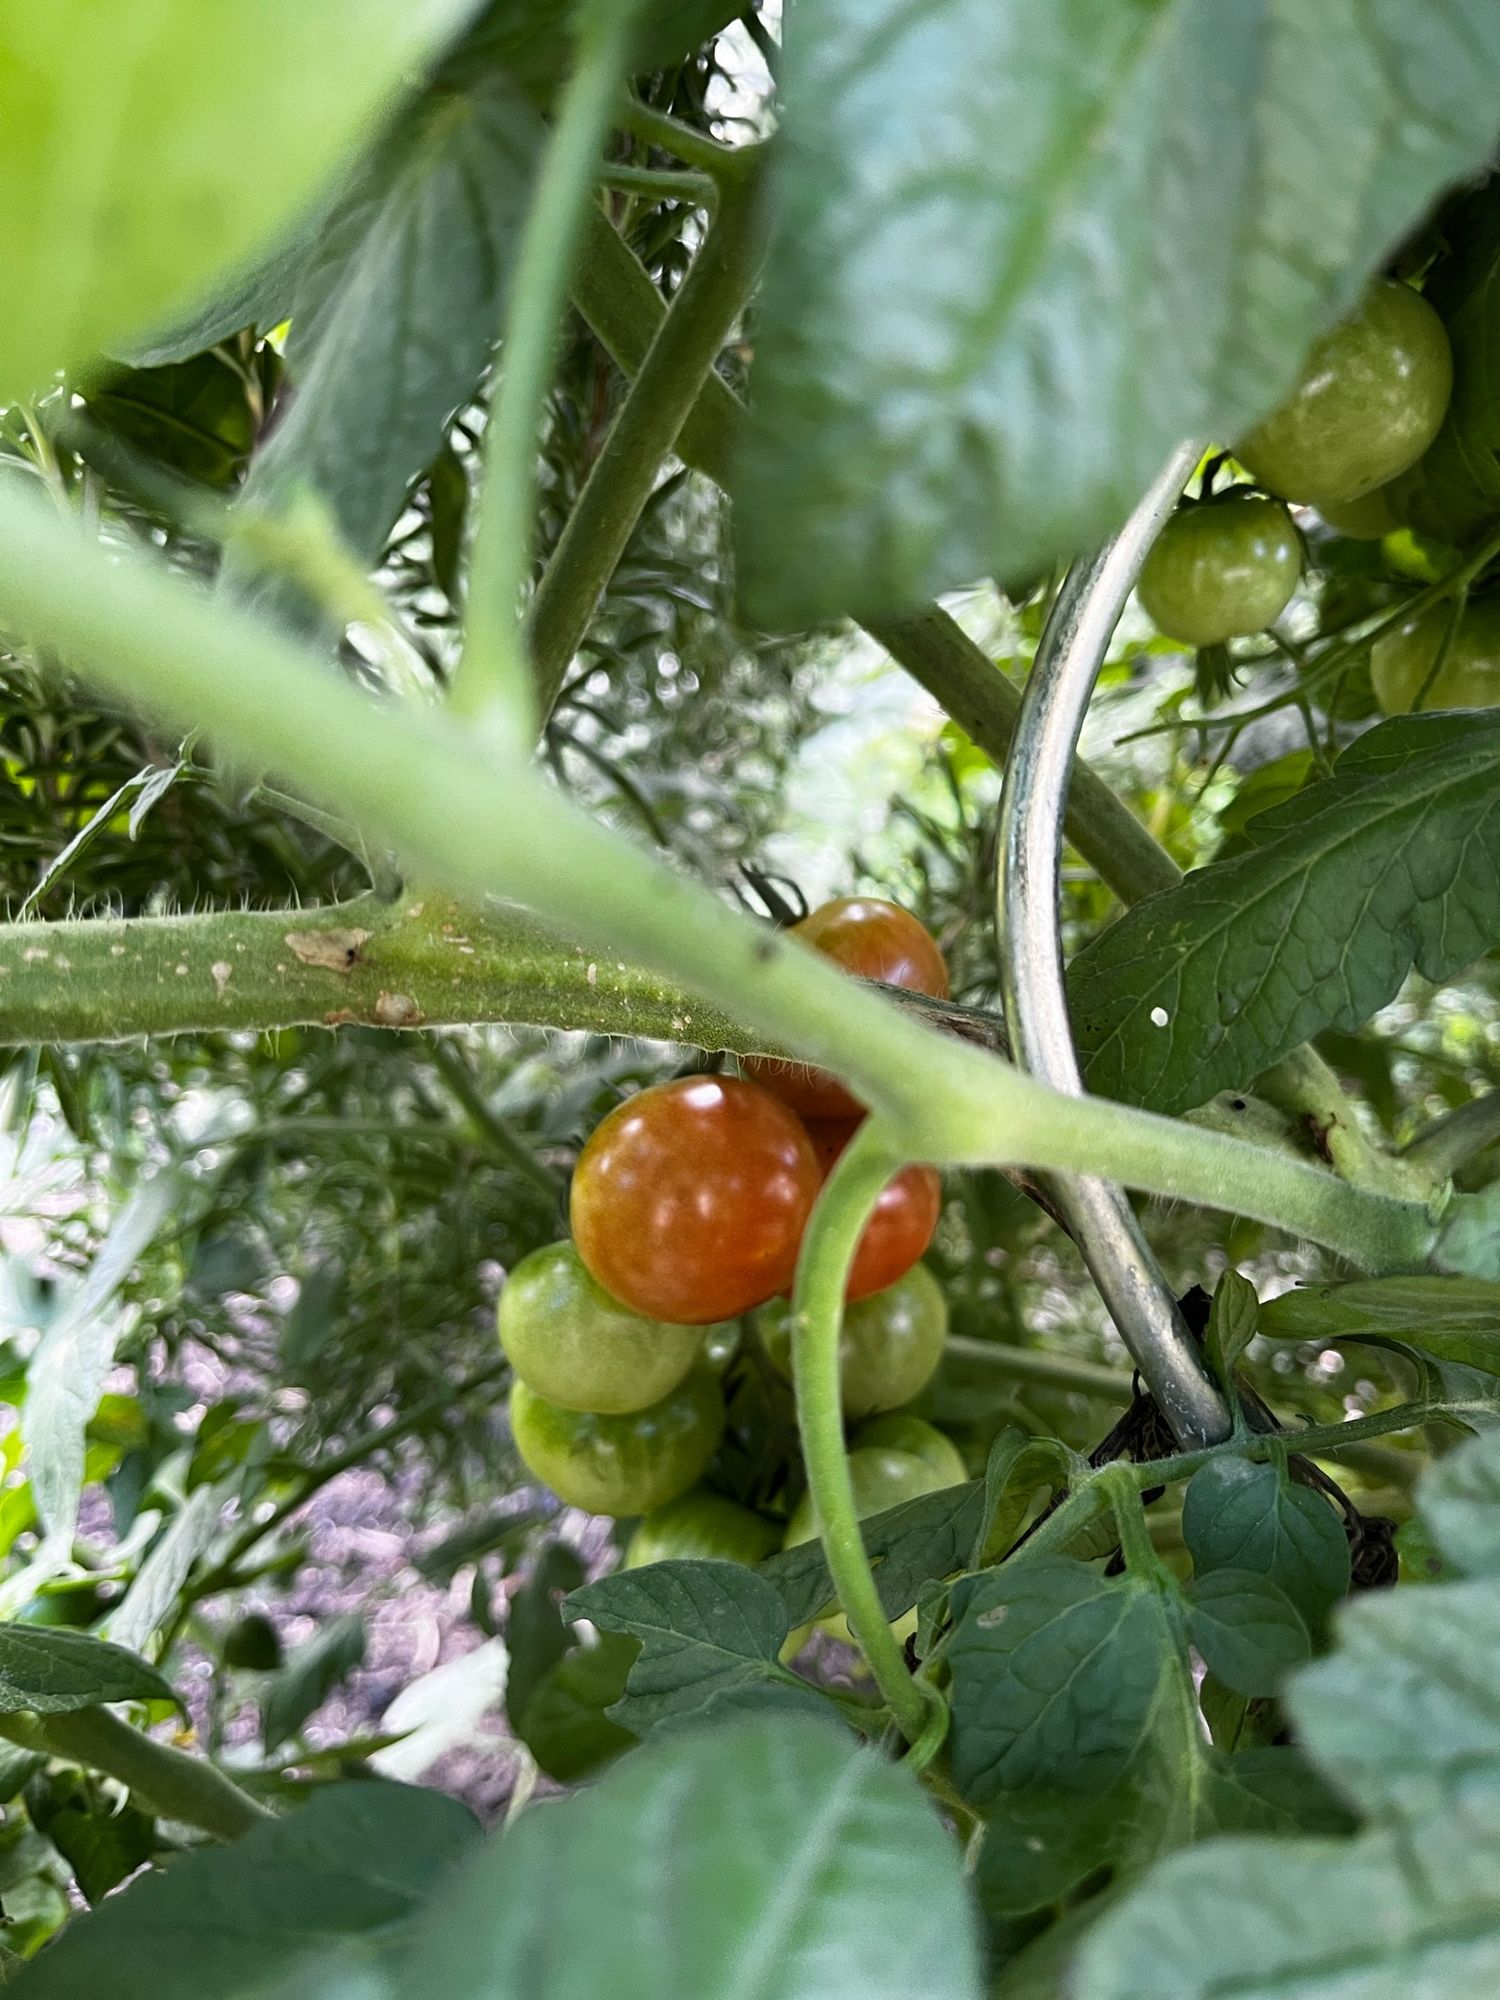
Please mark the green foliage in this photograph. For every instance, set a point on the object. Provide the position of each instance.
(120, 218)
(1149, 271)
(1386, 864)
(248, 1289)
(54, 1673)
(834, 1871)
(355, 1861)
(1410, 1736)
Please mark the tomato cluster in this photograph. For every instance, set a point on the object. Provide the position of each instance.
(1354, 441)
(688, 1208)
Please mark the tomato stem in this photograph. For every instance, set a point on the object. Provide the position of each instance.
(493, 678)
(174, 1784)
(838, 1221)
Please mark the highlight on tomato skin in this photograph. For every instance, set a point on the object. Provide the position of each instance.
(870, 938)
(689, 1201)
(905, 1217)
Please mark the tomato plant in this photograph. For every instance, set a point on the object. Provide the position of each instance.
(501, 510)
(1221, 569)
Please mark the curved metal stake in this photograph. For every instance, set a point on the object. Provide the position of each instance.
(1057, 695)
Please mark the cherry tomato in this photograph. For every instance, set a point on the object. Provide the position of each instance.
(905, 1215)
(1221, 569)
(1468, 678)
(703, 1526)
(626, 1464)
(1370, 518)
(872, 939)
(570, 1342)
(1370, 401)
(890, 1346)
(689, 1201)
(898, 1430)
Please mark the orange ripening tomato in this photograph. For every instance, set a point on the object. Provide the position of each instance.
(872, 939)
(905, 1215)
(689, 1200)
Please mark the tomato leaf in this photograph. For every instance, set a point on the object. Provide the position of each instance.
(397, 306)
(1459, 1503)
(1020, 252)
(709, 1630)
(1056, 1676)
(1451, 1319)
(123, 143)
(1252, 1518)
(1405, 1717)
(356, 1860)
(1390, 863)
(770, 1856)
(52, 1671)
(1247, 1629)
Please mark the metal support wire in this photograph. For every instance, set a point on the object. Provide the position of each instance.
(1057, 695)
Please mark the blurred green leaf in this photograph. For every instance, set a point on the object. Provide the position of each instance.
(1021, 252)
(124, 143)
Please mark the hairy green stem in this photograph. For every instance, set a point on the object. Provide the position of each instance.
(1303, 1086)
(672, 371)
(833, 1234)
(486, 825)
(168, 1781)
(493, 678)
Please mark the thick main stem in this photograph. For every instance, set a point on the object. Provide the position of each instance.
(828, 1249)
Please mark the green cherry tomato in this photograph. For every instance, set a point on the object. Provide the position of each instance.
(626, 1464)
(1370, 401)
(890, 1347)
(570, 1342)
(1221, 569)
(898, 1430)
(881, 1478)
(702, 1526)
(1370, 518)
(1468, 678)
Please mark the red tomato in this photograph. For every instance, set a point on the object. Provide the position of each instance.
(689, 1201)
(905, 1215)
(872, 939)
